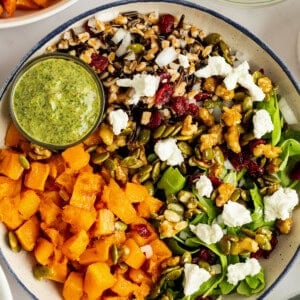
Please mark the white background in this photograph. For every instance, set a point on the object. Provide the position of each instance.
(277, 25)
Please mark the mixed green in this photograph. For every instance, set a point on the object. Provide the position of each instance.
(193, 143)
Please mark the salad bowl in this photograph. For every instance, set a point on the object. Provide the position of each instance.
(246, 47)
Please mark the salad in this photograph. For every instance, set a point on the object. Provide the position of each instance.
(205, 134)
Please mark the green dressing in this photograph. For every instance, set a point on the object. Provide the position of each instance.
(57, 101)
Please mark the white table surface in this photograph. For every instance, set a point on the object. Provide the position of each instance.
(277, 25)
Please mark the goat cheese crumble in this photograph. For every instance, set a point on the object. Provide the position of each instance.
(239, 271)
(204, 186)
(235, 214)
(167, 150)
(280, 204)
(118, 119)
(194, 276)
(209, 234)
(262, 123)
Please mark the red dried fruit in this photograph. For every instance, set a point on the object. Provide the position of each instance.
(254, 169)
(164, 77)
(207, 255)
(166, 23)
(202, 96)
(295, 173)
(142, 230)
(155, 119)
(99, 62)
(215, 181)
(255, 143)
(164, 94)
(180, 105)
(193, 109)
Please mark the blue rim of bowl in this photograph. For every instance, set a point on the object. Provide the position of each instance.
(90, 12)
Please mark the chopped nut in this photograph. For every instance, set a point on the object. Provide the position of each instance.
(267, 150)
(231, 116)
(222, 92)
(206, 117)
(225, 190)
(232, 138)
(265, 84)
(284, 226)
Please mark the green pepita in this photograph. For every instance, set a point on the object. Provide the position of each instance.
(99, 158)
(212, 38)
(144, 136)
(40, 272)
(13, 242)
(158, 132)
(24, 162)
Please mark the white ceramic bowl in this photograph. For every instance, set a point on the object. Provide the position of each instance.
(23, 17)
(258, 55)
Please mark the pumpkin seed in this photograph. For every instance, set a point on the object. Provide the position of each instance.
(218, 155)
(176, 207)
(114, 253)
(186, 257)
(176, 130)
(40, 272)
(136, 48)
(208, 154)
(235, 195)
(151, 157)
(13, 242)
(184, 137)
(144, 136)
(173, 274)
(263, 242)
(247, 104)
(156, 171)
(212, 38)
(168, 131)
(99, 158)
(24, 162)
(271, 178)
(143, 177)
(131, 162)
(225, 245)
(91, 148)
(150, 187)
(185, 148)
(158, 132)
(226, 52)
(109, 164)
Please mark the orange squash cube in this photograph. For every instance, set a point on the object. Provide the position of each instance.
(73, 287)
(136, 257)
(36, 177)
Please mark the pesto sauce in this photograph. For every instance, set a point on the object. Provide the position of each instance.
(57, 101)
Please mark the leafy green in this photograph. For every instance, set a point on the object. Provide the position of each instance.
(272, 107)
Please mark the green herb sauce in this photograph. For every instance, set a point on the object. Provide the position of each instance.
(57, 101)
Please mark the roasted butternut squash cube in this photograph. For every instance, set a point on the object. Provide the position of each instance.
(75, 245)
(36, 177)
(73, 286)
(10, 165)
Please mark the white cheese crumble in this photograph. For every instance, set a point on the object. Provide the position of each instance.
(209, 234)
(280, 204)
(239, 271)
(235, 214)
(118, 119)
(167, 150)
(166, 56)
(143, 85)
(204, 186)
(194, 276)
(262, 123)
(217, 66)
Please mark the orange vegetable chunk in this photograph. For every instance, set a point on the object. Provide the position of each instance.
(48, 208)
(10, 165)
(75, 245)
(76, 157)
(9, 187)
(73, 286)
(86, 188)
(78, 218)
(105, 222)
(149, 207)
(124, 287)
(136, 257)
(10, 7)
(28, 233)
(59, 270)
(9, 213)
(13, 136)
(98, 278)
(135, 192)
(29, 204)
(160, 249)
(43, 251)
(36, 177)
(118, 203)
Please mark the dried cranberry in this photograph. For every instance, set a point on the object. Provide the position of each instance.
(142, 230)
(215, 181)
(164, 77)
(254, 169)
(99, 61)
(295, 173)
(255, 143)
(180, 105)
(193, 109)
(202, 96)
(155, 119)
(166, 23)
(204, 298)
(236, 160)
(207, 255)
(164, 94)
